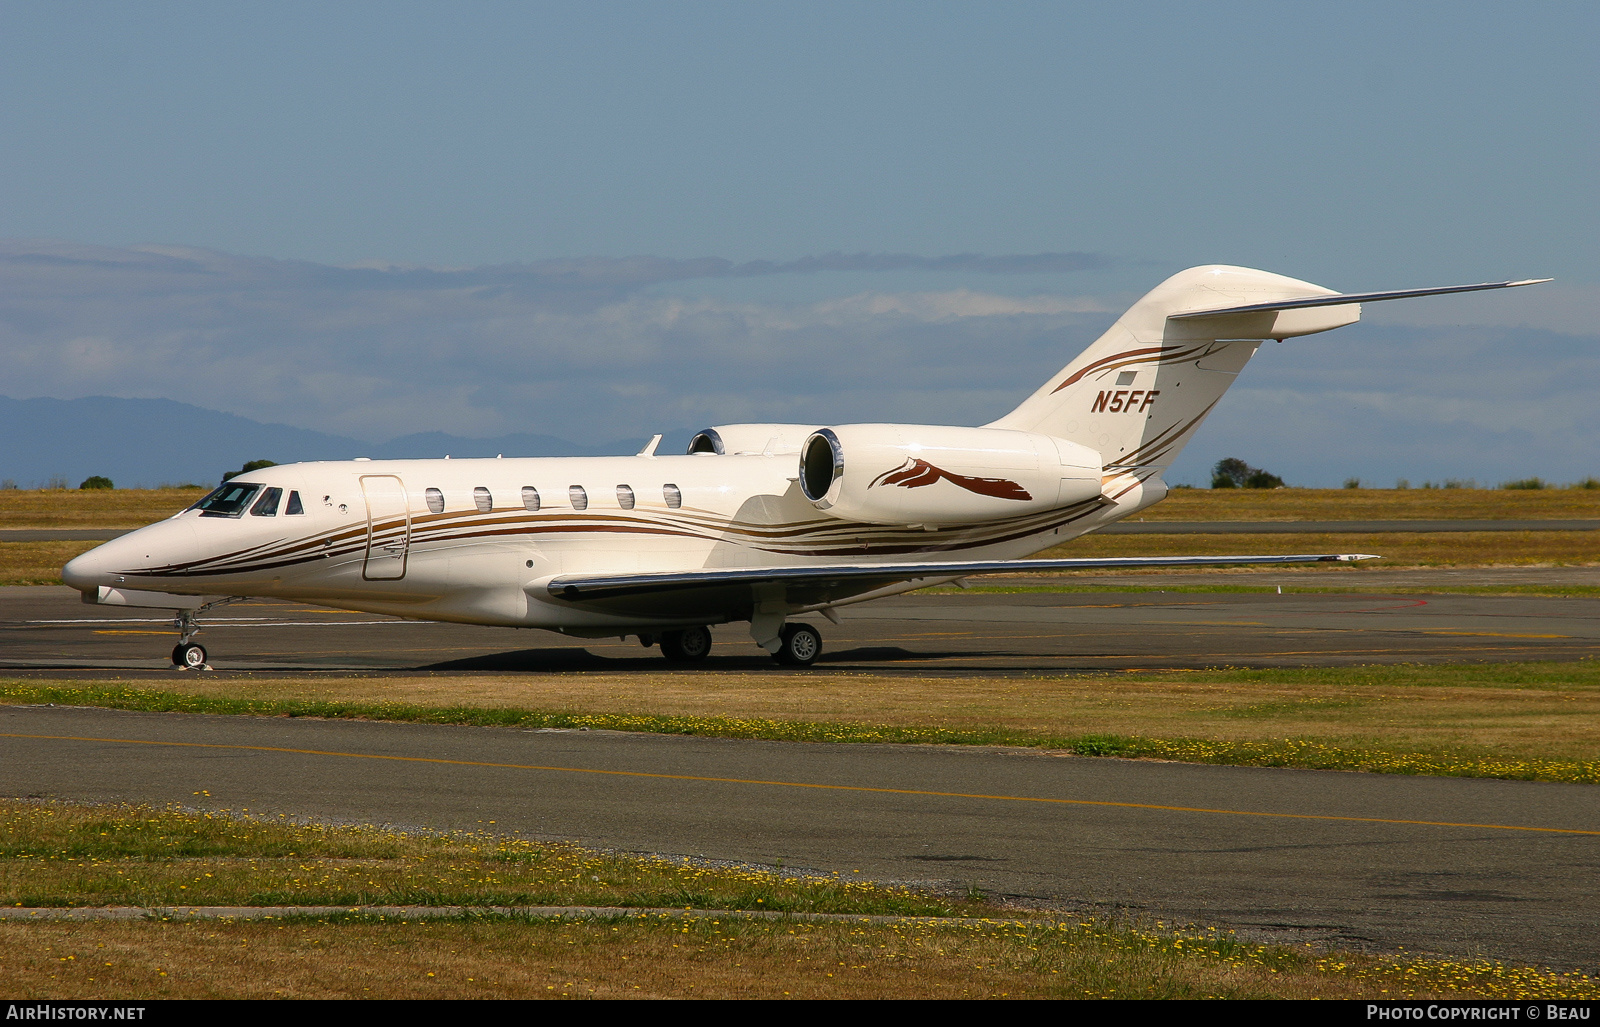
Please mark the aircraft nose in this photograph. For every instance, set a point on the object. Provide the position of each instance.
(111, 562)
(87, 571)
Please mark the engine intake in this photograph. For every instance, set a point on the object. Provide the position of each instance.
(745, 439)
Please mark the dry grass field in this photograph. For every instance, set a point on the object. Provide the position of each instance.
(1374, 504)
(91, 508)
(37, 563)
(713, 957)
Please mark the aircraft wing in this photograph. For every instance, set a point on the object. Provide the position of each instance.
(687, 592)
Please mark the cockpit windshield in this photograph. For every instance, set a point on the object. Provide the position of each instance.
(228, 501)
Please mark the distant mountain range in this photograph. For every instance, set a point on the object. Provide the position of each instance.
(149, 442)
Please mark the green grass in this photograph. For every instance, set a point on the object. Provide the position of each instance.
(80, 855)
(66, 855)
(1307, 695)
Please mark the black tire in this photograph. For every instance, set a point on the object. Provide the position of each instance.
(687, 646)
(189, 657)
(800, 646)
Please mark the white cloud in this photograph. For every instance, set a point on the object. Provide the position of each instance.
(569, 348)
(580, 349)
(952, 304)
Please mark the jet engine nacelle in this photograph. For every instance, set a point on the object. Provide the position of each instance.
(741, 439)
(934, 475)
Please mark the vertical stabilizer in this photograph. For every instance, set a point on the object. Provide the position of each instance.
(1139, 393)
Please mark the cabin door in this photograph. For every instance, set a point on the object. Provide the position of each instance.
(388, 527)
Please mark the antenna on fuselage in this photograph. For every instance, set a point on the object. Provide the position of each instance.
(650, 447)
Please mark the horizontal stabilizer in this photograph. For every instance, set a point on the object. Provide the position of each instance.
(853, 578)
(1339, 299)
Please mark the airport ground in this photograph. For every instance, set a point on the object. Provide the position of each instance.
(1462, 670)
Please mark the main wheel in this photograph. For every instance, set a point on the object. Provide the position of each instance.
(190, 657)
(686, 646)
(800, 645)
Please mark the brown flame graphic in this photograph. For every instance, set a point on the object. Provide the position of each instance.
(1127, 358)
(916, 474)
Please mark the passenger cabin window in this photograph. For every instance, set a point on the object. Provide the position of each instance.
(625, 496)
(228, 501)
(435, 500)
(673, 494)
(267, 505)
(482, 499)
(294, 509)
(530, 499)
(580, 498)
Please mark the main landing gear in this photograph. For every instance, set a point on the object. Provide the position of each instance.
(799, 645)
(687, 646)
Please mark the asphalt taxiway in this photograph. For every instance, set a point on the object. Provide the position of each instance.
(46, 629)
(1503, 869)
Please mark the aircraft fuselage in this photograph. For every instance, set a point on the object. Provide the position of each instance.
(476, 541)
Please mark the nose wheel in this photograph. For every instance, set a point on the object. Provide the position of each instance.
(189, 656)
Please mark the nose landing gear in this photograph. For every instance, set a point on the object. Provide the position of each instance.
(189, 654)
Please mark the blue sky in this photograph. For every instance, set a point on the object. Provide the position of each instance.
(1360, 146)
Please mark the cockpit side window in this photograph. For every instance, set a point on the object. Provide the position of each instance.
(267, 505)
(294, 508)
(228, 501)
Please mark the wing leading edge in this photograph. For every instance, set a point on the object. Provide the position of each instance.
(847, 580)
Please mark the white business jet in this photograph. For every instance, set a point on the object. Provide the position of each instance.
(757, 522)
